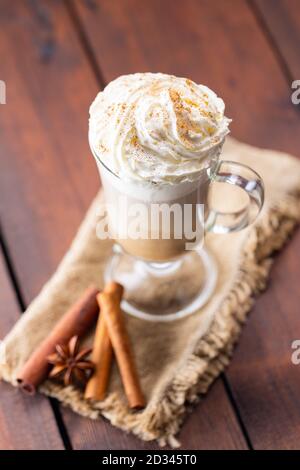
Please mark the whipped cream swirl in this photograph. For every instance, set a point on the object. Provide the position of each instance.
(157, 128)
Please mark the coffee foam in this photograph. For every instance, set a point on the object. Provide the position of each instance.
(148, 193)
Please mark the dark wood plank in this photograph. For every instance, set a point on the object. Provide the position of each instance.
(211, 425)
(48, 177)
(231, 53)
(205, 41)
(24, 423)
(282, 21)
(265, 382)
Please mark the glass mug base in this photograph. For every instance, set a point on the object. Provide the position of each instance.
(164, 291)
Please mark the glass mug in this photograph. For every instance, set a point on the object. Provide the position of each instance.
(170, 275)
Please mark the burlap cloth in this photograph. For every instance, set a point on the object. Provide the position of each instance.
(176, 361)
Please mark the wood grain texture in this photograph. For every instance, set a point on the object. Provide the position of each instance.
(24, 423)
(232, 54)
(48, 177)
(282, 20)
(203, 40)
(210, 426)
(265, 382)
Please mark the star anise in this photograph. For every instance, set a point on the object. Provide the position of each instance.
(70, 364)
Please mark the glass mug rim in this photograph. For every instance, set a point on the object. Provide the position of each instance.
(206, 169)
(218, 171)
(210, 169)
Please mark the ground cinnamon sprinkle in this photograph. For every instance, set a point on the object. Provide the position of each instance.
(134, 140)
(189, 82)
(191, 102)
(175, 97)
(102, 148)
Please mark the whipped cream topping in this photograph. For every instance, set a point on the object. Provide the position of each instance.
(157, 128)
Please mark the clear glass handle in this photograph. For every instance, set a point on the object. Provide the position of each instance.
(244, 177)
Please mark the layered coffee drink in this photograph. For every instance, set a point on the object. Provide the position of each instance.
(157, 140)
(154, 137)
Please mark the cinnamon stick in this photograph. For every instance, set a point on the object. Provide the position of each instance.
(102, 358)
(109, 302)
(75, 322)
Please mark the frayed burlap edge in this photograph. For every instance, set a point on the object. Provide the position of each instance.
(212, 353)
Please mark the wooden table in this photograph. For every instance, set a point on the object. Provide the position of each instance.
(54, 57)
